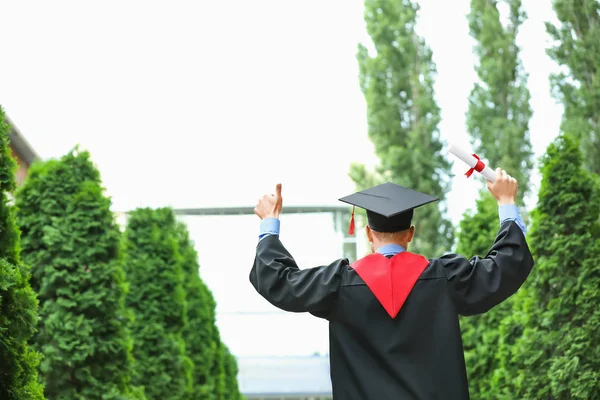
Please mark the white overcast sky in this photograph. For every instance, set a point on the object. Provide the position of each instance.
(207, 103)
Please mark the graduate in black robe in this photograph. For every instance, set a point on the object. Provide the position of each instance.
(393, 315)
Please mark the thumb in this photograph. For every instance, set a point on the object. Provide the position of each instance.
(278, 190)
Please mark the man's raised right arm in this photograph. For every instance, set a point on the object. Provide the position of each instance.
(478, 284)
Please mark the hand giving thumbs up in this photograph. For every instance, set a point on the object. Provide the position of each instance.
(270, 204)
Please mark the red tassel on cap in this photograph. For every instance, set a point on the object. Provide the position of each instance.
(351, 230)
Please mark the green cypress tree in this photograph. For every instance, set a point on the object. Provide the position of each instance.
(403, 116)
(199, 333)
(218, 370)
(478, 228)
(231, 372)
(577, 87)
(225, 371)
(480, 332)
(18, 302)
(498, 121)
(72, 242)
(551, 346)
(157, 297)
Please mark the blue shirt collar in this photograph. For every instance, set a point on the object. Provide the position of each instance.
(390, 249)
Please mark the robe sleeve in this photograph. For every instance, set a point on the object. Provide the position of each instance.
(277, 278)
(479, 284)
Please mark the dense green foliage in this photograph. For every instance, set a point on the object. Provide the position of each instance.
(499, 112)
(157, 297)
(215, 368)
(220, 389)
(72, 242)
(18, 302)
(202, 339)
(403, 117)
(498, 122)
(578, 85)
(480, 332)
(478, 228)
(177, 343)
(232, 391)
(551, 345)
(200, 347)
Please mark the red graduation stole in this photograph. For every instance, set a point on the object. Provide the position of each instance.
(391, 279)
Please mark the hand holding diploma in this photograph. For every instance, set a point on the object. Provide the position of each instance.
(504, 189)
(473, 161)
(501, 185)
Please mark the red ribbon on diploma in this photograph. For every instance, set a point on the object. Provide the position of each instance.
(478, 167)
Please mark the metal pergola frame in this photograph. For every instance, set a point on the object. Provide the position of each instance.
(245, 210)
(337, 211)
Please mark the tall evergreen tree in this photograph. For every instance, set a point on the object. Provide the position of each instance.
(577, 38)
(551, 348)
(498, 121)
(18, 302)
(72, 242)
(225, 371)
(200, 334)
(481, 333)
(219, 370)
(478, 228)
(157, 297)
(403, 117)
(231, 372)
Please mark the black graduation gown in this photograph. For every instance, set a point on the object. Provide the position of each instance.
(416, 355)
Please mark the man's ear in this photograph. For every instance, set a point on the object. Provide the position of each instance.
(411, 233)
(369, 233)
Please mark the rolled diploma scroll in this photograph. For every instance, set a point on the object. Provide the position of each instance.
(471, 161)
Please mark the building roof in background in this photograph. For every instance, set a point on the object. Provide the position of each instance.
(21, 145)
(268, 376)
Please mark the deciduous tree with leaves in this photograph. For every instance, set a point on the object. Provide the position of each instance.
(499, 111)
(397, 82)
(577, 87)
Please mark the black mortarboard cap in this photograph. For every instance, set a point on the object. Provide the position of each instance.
(389, 206)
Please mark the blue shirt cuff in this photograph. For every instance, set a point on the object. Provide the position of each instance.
(510, 212)
(268, 227)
